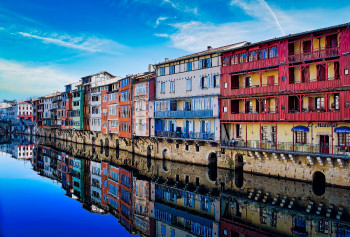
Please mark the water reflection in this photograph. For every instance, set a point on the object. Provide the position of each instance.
(164, 198)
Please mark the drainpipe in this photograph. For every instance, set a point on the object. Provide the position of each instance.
(293, 136)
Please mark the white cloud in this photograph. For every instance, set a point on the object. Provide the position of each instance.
(180, 6)
(258, 8)
(20, 78)
(195, 36)
(160, 19)
(83, 43)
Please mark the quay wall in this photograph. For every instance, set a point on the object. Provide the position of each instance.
(300, 167)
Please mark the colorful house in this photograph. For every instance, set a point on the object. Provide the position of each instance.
(125, 107)
(288, 95)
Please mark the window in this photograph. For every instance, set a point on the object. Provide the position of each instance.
(320, 103)
(140, 89)
(112, 109)
(162, 71)
(162, 87)
(344, 139)
(226, 61)
(253, 56)
(172, 69)
(189, 84)
(274, 134)
(300, 137)
(234, 59)
(112, 96)
(204, 63)
(140, 105)
(201, 104)
(238, 130)
(162, 105)
(263, 54)
(124, 82)
(124, 111)
(336, 101)
(189, 66)
(172, 233)
(172, 86)
(204, 83)
(248, 82)
(124, 96)
(205, 126)
(216, 79)
(264, 133)
(273, 52)
(243, 58)
(163, 230)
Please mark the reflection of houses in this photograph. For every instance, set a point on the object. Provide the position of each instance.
(141, 196)
(184, 211)
(261, 215)
(113, 187)
(125, 198)
(78, 178)
(95, 182)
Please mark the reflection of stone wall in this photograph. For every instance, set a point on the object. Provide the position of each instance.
(336, 171)
(228, 180)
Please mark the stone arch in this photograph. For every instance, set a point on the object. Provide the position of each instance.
(107, 151)
(239, 161)
(165, 153)
(117, 144)
(149, 152)
(93, 140)
(101, 143)
(318, 183)
(106, 142)
(213, 166)
(212, 159)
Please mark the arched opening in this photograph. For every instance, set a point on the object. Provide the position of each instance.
(319, 183)
(149, 152)
(213, 166)
(107, 151)
(239, 178)
(101, 143)
(93, 141)
(164, 153)
(239, 162)
(106, 142)
(117, 144)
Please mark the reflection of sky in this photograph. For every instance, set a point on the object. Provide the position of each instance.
(31, 205)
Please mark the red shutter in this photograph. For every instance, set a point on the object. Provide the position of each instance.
(271, 80)
(311, 104)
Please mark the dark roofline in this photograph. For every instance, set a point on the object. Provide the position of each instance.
(200, 54)
(291, 36)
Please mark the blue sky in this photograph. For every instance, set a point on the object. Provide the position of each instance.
(47, 44)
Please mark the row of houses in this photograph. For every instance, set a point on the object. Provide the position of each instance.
(289, 93)
(147, 204)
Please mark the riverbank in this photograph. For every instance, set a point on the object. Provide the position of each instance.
(333, 171)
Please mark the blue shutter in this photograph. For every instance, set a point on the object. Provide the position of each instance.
(208, 62)
(200, 64)
(212, 81)
(200, 83)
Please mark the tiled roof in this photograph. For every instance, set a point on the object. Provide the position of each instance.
(206, 52)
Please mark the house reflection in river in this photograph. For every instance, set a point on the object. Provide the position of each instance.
(154, 202)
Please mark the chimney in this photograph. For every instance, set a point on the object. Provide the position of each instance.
(150, 68)
(166, 59)
(209, 47)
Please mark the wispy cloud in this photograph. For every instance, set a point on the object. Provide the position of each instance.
(160, 19)
(257, 9)
(33, 80)
(264, 23)
(181, 6)
(84, 43)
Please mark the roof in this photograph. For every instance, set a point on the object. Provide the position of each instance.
(102, 72)
(292, 35)
(206, 52)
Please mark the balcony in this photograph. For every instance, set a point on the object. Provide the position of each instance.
(252, 116)
(191, 135)
(284, 146)
(184, 114)
(256, 89)
(314, 84)
(315, 116)
(305, 56)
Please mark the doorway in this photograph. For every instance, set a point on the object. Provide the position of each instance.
(324, 143)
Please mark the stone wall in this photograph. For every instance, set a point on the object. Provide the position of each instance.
(335, 171)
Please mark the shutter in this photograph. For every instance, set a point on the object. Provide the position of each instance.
(201, 82)
(200, 64)
(212, 81)
(311, 104)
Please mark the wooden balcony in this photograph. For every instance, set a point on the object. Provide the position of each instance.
(254, 116)
(315, 84)
(315, 116)
(257, 89)
(305, 56)
(245, 66)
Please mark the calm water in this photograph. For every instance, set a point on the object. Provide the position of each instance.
(56, 188)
